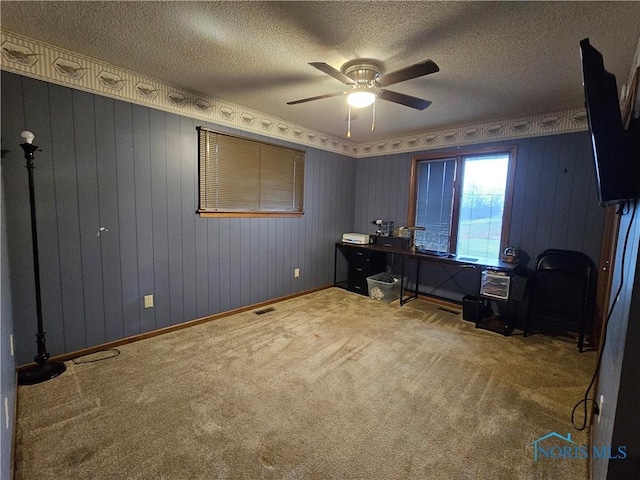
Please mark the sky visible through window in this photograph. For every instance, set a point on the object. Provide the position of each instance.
(482, 204)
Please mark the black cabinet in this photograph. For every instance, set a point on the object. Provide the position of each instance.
(363, 263)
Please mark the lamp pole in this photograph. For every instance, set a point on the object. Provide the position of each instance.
(44, 369)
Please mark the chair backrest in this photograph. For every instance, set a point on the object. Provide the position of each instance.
(563, 282)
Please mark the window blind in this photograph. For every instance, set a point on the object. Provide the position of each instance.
(247, 176)
(434, 203)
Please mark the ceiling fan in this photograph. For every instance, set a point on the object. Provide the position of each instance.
(365, 77)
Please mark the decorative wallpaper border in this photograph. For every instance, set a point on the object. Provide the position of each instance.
(38, 60)
(574, 120)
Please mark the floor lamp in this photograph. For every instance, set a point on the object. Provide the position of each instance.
(44, 369)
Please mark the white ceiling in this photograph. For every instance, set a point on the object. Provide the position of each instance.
(498, 60)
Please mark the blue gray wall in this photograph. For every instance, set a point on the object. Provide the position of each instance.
(116, 190)
(554, 205)
(7, 362)
(619, 380)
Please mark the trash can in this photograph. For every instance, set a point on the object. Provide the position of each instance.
(472, 308)
(384, 287)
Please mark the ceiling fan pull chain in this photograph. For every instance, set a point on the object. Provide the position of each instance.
(349, 123)
(373, 119)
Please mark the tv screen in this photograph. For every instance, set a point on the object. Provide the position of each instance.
(616, 170)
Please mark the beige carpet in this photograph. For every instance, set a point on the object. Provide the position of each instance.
(330, 385)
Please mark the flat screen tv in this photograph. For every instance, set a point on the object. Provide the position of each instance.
(616, 151)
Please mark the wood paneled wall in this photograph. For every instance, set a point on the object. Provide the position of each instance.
(7, 361)
(117, 192)
(619, 423)
(116, 189)
(554, 206)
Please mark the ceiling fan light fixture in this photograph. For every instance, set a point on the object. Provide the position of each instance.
(361, 99)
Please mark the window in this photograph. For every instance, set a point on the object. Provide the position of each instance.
(463, 201)
(240, 177)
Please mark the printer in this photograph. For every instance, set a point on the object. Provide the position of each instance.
(355, 238)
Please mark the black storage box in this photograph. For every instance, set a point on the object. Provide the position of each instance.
(398, 242)
(472, 308)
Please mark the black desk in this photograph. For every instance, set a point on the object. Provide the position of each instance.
(456, 263)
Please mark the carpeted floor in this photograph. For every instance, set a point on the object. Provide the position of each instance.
(330, 385)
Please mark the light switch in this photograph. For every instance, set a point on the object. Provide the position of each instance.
(148, 301)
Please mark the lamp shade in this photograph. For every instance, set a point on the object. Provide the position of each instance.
(361, 98)
(27, 136)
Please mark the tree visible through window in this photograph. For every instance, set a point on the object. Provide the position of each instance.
(463, 201)
(484, 186)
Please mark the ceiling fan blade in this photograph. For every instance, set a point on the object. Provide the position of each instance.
(401, 98)
(319, 97)
(407, 73)
(329, 70)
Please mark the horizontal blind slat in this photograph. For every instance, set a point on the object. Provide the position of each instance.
(243, 175)
(276, 178)
(298, 182)
(238, 174)
(207, 166)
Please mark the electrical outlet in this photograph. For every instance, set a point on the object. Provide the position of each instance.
(11, 346)
(6, 412)
(148, 301)
(600, 408)
(296, 273)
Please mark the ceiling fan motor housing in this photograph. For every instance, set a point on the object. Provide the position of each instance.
(362, 71)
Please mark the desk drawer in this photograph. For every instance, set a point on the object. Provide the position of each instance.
(358, 277)
(495, 285)
(358, 287)
(362, 264)
(363, 258)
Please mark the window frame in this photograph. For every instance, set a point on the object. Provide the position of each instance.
(511, 151)
(209, 212)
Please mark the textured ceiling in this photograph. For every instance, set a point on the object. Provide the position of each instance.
(497, 59)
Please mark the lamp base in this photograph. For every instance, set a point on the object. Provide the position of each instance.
(41, 373)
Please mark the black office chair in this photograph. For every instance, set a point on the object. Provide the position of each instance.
(562, 293)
